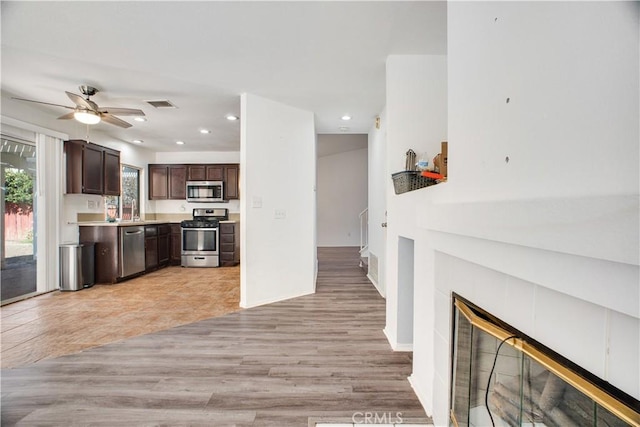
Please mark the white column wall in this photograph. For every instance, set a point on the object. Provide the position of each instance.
(416, 119)
(542, 241)
(278, 157)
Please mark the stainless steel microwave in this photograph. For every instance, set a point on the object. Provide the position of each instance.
(205, 191)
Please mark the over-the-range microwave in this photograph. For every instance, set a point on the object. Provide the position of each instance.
(205, 191)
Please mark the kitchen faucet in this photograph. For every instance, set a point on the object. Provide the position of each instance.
(134, 217)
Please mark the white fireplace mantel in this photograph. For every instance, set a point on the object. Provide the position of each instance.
(587, 247)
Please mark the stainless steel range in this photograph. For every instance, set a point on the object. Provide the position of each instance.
(201, 237)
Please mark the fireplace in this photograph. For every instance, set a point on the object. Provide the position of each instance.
(502, 377)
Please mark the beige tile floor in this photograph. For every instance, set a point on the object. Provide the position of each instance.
(61, 323)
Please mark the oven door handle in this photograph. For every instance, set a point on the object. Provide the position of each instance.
(201, 229)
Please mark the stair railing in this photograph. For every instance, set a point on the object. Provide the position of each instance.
(364, 230)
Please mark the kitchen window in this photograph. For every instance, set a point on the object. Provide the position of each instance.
(127, 205)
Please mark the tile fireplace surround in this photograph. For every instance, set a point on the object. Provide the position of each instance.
(563, 271)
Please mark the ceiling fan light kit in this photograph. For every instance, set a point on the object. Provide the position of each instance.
(87, 117)
(88, 112)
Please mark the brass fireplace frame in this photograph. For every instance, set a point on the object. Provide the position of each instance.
(599, 395)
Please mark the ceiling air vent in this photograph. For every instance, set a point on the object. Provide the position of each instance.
(163, 103)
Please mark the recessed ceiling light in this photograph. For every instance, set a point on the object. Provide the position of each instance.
(205, 131)
(138, 141)
(232, 117)
(180, 142)
(140, 119)
(346, 117)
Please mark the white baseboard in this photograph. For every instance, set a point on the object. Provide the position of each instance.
(375, 285)
(276, 299)
(422, 396)
(395, 346)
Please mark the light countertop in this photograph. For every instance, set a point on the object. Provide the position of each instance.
(121, 223)
(131, 223)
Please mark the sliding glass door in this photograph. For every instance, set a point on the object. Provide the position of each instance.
(19, 235)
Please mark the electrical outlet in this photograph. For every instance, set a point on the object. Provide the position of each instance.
(91, 204)
(279, 214)
(256, 202)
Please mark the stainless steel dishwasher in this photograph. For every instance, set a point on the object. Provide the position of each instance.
(131, 250)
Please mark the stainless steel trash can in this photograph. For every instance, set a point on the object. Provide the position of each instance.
(76, 266)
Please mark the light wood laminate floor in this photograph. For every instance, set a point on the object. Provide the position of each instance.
(61, 323)
(321, 355)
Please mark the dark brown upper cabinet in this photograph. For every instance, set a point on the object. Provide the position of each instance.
(167, 182)
(178, 182)
(91, 168)
(111, 172)
(231, 190)
(205, 172)
(158, 182)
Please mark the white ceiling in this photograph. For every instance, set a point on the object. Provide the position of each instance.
(325, 57)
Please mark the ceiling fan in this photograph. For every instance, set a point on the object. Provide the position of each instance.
(88, 112)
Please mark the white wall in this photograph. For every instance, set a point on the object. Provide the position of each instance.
(378, 176)
(342, 195)
(542, 241)
(278, 157)
(416, 119)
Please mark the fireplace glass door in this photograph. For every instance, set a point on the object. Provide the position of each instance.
(500, 379)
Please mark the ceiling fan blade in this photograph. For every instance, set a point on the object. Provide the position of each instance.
(45, 103)
(122, 111)
(67, 116)
(108, 118)
(81, 102)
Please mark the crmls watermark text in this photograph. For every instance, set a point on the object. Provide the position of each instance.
(377, 418)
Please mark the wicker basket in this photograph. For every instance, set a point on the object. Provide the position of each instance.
(409, 180)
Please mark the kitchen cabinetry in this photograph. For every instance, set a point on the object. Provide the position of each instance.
(229, 244)
(157, 249)
(206, 172)
(111, 161)
(164, 236)
(150, 247)
(168, 181)
(107, 251)
(177, 182)
(158, 182)
(91, 168)
(231, 191)
(176, 245)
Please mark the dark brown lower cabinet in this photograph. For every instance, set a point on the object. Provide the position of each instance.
(176, 245)
(164, 236)
(107, 251)
(150, 247)
(161, 248)
(229, 244)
